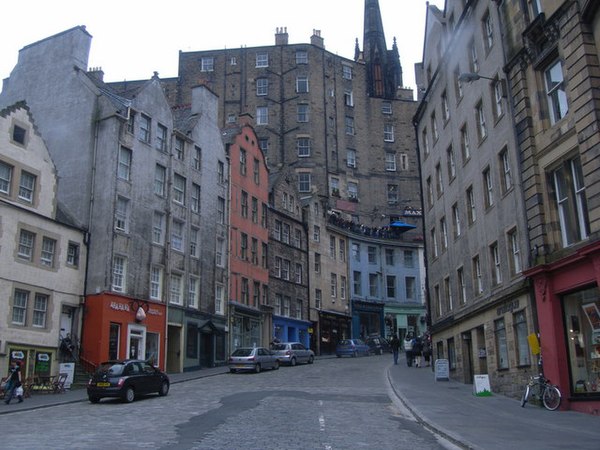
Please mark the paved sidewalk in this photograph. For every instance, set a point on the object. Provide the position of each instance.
(489, 423)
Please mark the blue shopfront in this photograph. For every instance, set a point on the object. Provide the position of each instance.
(286, 329)
(367, 319)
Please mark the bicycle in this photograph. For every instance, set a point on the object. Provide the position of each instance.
(548, 393)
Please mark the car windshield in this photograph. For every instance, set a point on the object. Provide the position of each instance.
(111, 368)
(242, 352)
(279, 346)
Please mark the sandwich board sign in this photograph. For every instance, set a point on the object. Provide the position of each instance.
(481, 386)
(442, 370)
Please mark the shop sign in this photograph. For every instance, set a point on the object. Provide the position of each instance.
(154, 312)
(119, 306)
(508, 307)
(442, 370)
(414, 212)
(42, 363)
(17, 355)
(481, 386)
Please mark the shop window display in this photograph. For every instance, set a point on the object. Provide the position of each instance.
(582, 321)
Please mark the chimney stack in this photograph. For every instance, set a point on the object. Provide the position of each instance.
(281, 36)
(316, 39)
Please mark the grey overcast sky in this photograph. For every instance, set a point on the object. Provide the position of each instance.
(134, 38)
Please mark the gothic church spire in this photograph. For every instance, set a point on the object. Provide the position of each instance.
(384, 72)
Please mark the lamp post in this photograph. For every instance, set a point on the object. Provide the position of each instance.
(469, 77)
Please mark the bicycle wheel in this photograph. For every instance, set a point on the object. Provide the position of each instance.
(551, 397)
(525, 396)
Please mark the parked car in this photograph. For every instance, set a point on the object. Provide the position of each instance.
(378, 345)
(126, 379)
(252, 358)
(352, 347)
(292, 353)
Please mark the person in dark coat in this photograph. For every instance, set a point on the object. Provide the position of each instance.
(418, 350)
(427, 349)
(15, 382)
(395, 344)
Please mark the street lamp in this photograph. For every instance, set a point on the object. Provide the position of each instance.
(469, 77)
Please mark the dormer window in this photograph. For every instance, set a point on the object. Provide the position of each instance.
(18, 134)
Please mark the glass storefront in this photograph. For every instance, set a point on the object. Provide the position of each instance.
(582, 322)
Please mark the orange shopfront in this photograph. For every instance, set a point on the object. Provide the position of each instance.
(119, 327)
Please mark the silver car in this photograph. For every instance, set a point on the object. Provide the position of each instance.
(252, 358)
(292, 353)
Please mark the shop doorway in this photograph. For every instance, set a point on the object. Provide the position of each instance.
(206, 350)
(174, 349)
(467, 351)
(136, 346)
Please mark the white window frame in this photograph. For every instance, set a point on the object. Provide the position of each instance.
(122, 214)
(262, 59)
(48, 251)
(27, 186)
(156, 283)
(303, 145)
(5, 178)
(175, 285)
(556, 95)
(160, 177)
(26, 245)
(119, 274)
(207, 64)
(179, 189)
(262, 115)
(158, 228)
(388, 132)
(40, 310)
(124, 170)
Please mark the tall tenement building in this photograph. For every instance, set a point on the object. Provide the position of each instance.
(343, 126)
(509, 143)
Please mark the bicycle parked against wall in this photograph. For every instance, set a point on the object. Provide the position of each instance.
(540, 387)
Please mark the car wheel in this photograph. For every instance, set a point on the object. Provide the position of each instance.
(93, 399)
(232, 370)
(339, 356)
(164, 389)
(129, 395)
(354, 354)
(311, 359)
(381, 351)
(276, 365)
(293, 362)
(257, 368)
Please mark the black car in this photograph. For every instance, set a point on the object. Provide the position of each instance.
(378, 345)
(127, 379)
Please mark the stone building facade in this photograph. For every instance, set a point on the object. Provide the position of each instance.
(249, 308)
(288, 263)
(343, 125)
(43, 255)
(481, 306)
(552, 65)
(143, 178)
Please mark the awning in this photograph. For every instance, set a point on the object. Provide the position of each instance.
(402, 226)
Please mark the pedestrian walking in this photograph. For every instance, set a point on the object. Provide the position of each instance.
(14, 389)
(395, 344)
(408, 347)
(418, 350)
(427, 349)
